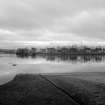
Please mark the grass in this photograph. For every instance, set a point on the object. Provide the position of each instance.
(85, 88)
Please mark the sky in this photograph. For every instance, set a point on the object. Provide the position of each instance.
(51, 22)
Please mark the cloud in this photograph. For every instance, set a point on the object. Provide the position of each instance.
(32, 14)
(90, 23)
(52, 20)
(28, 14)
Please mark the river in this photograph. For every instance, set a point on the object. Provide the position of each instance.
(11, 65)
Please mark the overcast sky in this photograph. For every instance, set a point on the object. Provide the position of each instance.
(26, 22)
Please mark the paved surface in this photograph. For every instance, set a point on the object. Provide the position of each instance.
(33, 90)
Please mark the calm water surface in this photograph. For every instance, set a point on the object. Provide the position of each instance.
(10, 65)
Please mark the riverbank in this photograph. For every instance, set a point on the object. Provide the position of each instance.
(66, 89)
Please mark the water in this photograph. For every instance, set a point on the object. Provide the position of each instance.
(10, 65)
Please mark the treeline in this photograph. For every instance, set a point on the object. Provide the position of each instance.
(73, 50)
(26, 52)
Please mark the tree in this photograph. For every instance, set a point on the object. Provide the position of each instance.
(22, 52)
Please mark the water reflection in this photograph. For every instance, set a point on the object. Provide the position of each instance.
(69, 58)
(10, 65)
